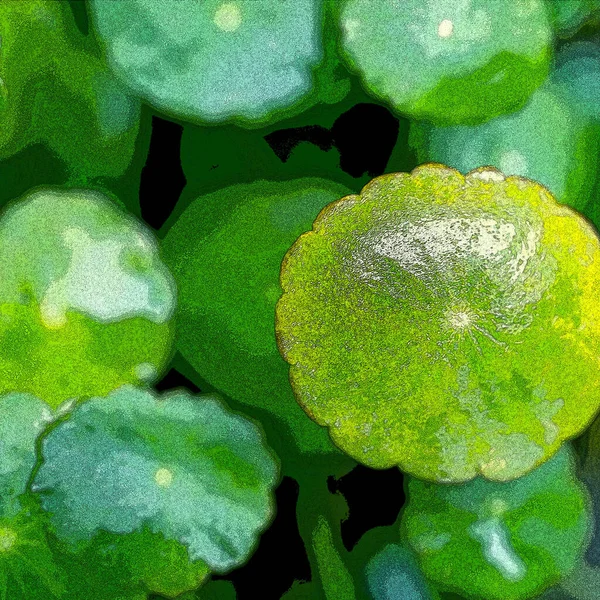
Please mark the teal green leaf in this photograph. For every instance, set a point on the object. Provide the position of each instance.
(181, 465)
(213, 60)
(394, 573)
(576, 74)
(448, 62)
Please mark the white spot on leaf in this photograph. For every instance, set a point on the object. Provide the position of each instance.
(228, 17)
(445, 28)
(146, 372)
(497, 549)
(163, 478)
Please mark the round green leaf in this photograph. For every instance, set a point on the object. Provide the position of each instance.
(85, 300)
(552, 140)
(393, 573)
(444, 324)
(446, 61)
(54, 89)
(228, 285)
(181, 465)
(213, 60)
(500, 541)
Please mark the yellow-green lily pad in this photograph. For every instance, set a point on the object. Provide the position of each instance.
(445, 324)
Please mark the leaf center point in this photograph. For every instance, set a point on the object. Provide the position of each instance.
(163, 477)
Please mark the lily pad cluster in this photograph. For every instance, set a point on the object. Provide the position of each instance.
(253, 62)
(440, 322)
(108, 490)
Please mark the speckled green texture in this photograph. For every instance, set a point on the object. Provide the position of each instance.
(27, 567)
(86, 303)
(124, 567)
(576, 74)
(22, 419)
(444, 324)
(567, 16)
(500, 541)
(54, 89)
(228, 284)
(448, 61)
(214, 60)
(184, 466)
(150, 562)
(333, 573)
(551, 140)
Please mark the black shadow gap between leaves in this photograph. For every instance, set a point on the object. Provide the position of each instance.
(162, 178)
(174, 379)
(280, 558)
(374, 499)
(283, 141)
(364, 135)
